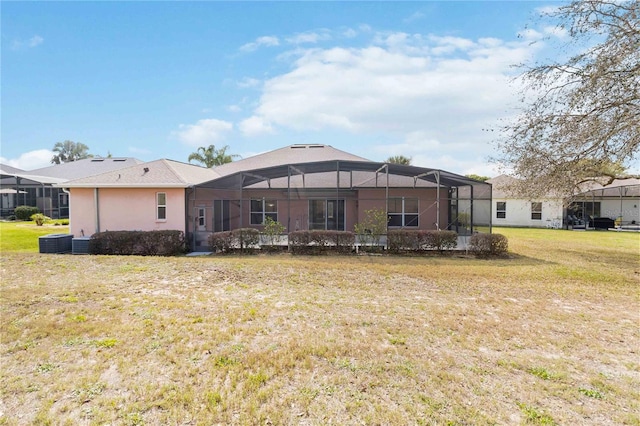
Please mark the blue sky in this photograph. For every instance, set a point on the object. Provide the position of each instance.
(159, 79)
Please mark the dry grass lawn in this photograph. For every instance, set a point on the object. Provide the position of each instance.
(548, 336)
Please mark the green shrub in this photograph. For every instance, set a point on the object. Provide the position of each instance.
(25, 212)
(485, 245)
(316, 241)
(372, 227)
(39, 218)
(440, 240)
(221, 241)
(272, 230)
(403, 239)
(143, 243)
(238, 239)
(246, 237)
(298, 240)
(414, 240)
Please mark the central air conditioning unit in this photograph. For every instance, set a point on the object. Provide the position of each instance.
(81, 245)
(55, 243)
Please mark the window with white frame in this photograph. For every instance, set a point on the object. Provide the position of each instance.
(161, 206)
(261, 208)
(536, 211)
(501, 209)
(403, 212)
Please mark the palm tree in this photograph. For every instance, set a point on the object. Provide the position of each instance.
(399, 159)
(68, 151)
(211, 157)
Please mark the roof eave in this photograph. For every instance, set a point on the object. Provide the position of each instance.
(125, 186)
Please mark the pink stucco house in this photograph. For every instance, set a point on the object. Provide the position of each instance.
(301, 186)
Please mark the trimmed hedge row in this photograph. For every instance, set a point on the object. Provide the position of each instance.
(412, 240)
(320, 241)
(486, 245)
(142, 243)
(241, 239)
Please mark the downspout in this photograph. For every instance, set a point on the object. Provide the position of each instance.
(96, 202)
(186, 211)
(193, 222)
(66, 191)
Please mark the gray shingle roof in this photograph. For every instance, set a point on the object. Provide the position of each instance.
(292, 154)
(84, 168)
(154, 174)
(6, 169)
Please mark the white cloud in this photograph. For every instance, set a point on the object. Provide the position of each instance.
(556, 31)
(416, 16)
(255, 126)
(433, 94)
(203, 132)
(268, 41)
(248, 82)
(34, 41)
(349, 33)
(310, 37)
(30, 160)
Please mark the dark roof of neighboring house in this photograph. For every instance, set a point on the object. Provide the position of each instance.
(154, 174)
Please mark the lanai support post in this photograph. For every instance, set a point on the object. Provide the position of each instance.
(387, 196)
(288, 198)
(438, 200)
(338, 195)
(241, 210)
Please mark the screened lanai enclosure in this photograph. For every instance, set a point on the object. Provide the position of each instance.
(23, 189)
(337, 195)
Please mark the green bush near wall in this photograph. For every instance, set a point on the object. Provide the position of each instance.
(25, 212)
(142, 243)
(487, 245)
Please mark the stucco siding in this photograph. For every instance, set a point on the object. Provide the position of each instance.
(629, 209)
(518, 213)
(124, 209)
(81, 212)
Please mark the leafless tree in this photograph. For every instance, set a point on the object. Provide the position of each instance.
(584, 121)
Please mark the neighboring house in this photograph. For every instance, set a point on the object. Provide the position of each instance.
(36, 187)
(534, 213)
(300, 186)
(617, 203)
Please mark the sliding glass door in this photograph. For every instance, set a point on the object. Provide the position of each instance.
(326, 214)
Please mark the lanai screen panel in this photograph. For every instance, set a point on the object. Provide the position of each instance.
(335, 178)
